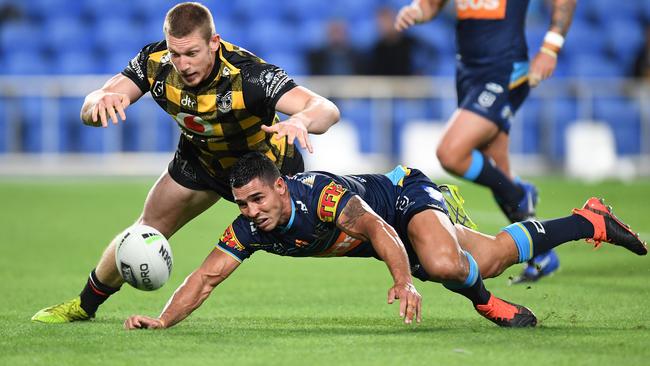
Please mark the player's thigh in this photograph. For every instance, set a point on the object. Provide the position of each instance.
(433, 238)
(497, 149)
(465, 132)
(169, 205)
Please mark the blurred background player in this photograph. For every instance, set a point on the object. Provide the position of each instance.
(224, 100)
(493, 77)
(400, 217)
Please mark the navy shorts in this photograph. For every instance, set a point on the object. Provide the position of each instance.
(415, 193)
(495, 92)
(186, 170)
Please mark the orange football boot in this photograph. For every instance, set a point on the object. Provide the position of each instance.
(609, 228)
(507, 314)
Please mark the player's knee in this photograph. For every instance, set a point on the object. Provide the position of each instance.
(447, 269)
(448, 159)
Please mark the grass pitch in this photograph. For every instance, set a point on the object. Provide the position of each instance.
(284, 311)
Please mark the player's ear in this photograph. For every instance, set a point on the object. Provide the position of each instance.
(280, 185)
(214, 42)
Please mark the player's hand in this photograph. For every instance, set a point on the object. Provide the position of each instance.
(107, 106)
(294, 129)
(142, 322)
(408, 16)
(410, 301)
(541, 68)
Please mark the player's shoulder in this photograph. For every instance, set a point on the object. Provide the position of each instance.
(240, 233)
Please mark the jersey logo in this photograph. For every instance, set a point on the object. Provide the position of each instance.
(231, 240)
(343, 244)
(481, 9)
(194, 123)
(158, 88)
(224, 102)
(329, 200)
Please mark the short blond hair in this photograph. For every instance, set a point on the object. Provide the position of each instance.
(185, 18)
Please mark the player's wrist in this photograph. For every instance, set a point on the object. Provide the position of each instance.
(553, 41)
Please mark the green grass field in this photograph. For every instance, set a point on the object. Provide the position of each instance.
(285, 311)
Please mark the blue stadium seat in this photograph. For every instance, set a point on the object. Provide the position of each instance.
(592, 67)
(530, 116)
(624, 40)
(4, 134)
(66, 34)
(583, 38)
(556, 116)
(408, 110)
(45, 9)
(103, 9)
(360, 113)
(446, 66)
(437, 35)
(78, 63)
(313, 34)
(623, 116)
(154, 10)
(116, 35)
(70, 125)
(293, 63)
(258, 10)
(21, 37)
(364, 33)
(604, 11)
(229, 31)
(30, 135)
(272, 36)
(26, 63)
(311, 10)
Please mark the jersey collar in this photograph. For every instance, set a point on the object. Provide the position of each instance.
(284, 229)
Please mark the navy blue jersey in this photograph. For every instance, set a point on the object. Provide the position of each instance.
(491, 31)
(317, 199)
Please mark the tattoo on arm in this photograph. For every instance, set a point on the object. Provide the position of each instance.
(562, 15)
(352, 212)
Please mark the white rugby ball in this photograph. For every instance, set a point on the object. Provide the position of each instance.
(143, 257)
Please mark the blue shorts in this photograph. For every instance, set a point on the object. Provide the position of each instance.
(495, 91)
(415, 193)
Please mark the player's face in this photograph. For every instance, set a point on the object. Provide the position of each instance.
(264, 204)
(192, 56)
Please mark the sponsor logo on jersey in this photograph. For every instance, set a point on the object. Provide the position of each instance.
(188, 101)
(343, 244)
(231, 240)
(224, 102)
(135, 66)
(329, 200)
(307, 180)
(158, 88)
(481, 9)
(225, 71)
(273, 81)
(165, 58)
(194, 123)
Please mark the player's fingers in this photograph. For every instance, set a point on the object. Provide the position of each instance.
(534, 79)
(391, 295)
(410, 312)
(120, 110)
(300, 136)
(269, 129)
(102, 114)
(419, 309)
(94, 113)
(310, 148)
(125, 102)
(291, 136)
(111, 113)
(403, 303)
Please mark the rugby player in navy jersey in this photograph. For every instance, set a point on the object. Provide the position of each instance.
(493, 77)
(224, 100)
(401, 218)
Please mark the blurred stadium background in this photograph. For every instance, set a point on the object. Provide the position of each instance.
(53, 52)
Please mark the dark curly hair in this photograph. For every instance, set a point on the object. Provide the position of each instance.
(253, 165)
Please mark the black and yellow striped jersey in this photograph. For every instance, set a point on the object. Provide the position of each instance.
(223, 115)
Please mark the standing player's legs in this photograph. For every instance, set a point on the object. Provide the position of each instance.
(433, 238)
(167, 208)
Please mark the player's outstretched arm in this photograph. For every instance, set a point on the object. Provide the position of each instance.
(358, 220)
(418, 11)
(310, 113)
(190, 294)
(545, 61)
(109, 101)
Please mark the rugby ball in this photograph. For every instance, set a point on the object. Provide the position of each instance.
(143, 257)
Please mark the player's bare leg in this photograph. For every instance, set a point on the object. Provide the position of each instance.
(167, 208)
(435, 242)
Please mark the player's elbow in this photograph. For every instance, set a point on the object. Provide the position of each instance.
(330, 115)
